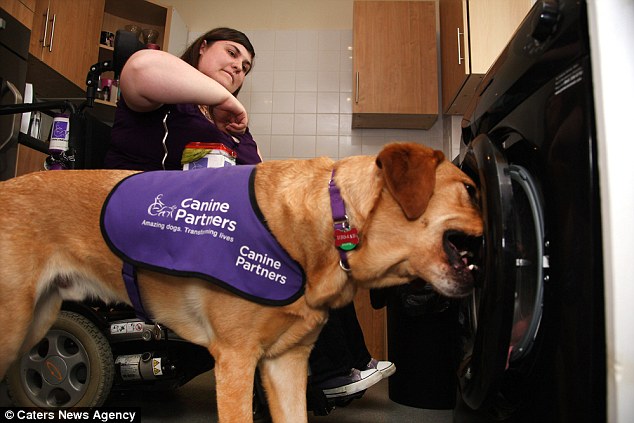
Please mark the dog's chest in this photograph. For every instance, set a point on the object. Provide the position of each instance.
(203, 223)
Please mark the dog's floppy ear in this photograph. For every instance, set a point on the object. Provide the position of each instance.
(409, 171)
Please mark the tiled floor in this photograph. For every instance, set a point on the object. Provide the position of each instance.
(195, 403)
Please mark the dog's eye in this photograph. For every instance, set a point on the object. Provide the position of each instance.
(473, 192)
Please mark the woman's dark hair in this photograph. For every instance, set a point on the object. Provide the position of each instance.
(192, 54)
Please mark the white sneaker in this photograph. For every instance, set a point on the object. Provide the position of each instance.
(356, 381)
(386, 368)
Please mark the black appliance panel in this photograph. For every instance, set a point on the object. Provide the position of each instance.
(536, 112)
(526, 65)
(490, 312)
(504, 315)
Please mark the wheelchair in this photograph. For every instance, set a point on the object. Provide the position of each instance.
(95, 350)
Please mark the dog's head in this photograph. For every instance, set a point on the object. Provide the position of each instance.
(425, 223)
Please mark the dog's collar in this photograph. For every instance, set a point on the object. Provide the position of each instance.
(346, 238)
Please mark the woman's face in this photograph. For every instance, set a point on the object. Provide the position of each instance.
(227, 62)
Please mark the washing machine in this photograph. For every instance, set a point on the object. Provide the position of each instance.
(533, 332)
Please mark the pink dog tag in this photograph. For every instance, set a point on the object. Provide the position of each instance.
(346, 239)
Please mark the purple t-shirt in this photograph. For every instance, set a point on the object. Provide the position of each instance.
(136, 139)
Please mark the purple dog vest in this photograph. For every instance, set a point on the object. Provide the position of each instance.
(203, 223)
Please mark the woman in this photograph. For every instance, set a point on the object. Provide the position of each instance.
(167, 102)
(193, 97)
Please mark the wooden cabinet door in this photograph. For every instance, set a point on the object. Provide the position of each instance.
(22, 11)
(66, 36)
(472, 35)
(41, 28)
(373, 324)
(395, 64)
(491, 25)
(29, 160)
(454, 54)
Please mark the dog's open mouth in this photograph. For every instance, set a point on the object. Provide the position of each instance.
(463, 252)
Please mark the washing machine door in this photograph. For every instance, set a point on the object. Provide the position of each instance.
(501, 319)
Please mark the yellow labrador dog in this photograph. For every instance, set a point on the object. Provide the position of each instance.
(407, 206)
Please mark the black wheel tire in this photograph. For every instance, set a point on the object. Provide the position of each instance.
(72, 366)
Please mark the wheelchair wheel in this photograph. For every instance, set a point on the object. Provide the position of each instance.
(72, 366)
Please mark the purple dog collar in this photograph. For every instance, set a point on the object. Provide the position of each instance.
(346, 238)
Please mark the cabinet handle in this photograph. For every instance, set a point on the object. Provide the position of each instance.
(356, 91)
(50, 45)
(43, 40)
(460, 58)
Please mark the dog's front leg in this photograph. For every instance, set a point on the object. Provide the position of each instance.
(234, 371)
(285, 378)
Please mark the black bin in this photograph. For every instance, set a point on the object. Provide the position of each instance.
(422, 339)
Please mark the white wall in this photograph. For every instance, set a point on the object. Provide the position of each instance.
(178, 35)
(298, 94)
(611, 34)
(201, 15)
(299, 98)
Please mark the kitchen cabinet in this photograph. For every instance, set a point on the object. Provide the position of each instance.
(63, 46)
(65, 36)
(395, 66)
(22, 10)
(29, 160)
(373, 324)
(472, 35)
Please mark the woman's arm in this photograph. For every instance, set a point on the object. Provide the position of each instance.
(151, 78)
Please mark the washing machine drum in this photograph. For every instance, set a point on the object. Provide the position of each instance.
(500, 321)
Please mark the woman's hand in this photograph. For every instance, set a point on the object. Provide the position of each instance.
(230, 116)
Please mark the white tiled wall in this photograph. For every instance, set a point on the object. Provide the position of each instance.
(298, 96)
